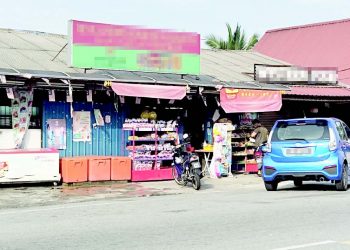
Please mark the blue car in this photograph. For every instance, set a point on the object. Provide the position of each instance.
(308, 149)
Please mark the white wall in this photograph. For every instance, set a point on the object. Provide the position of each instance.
(32, 140)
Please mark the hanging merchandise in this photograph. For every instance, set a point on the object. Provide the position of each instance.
(122, 99)
(21, 113)
(3, 79)
(98, 117)
(145, 114)
(209, 133)
(52, 97)
(108, 119)
(153, 115)
(9, 92)
(69, 97)
(89, 96)
(246, 119)
(81, 126)
(216, 115)
(222, 151)
(138, 100)
(56, 133)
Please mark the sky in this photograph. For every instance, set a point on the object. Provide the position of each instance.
(201, 16)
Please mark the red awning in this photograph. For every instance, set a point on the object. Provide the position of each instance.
(150, 91)
(246, 100)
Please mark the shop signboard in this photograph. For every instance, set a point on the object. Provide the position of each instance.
(133, 48)
(249, 100)
(291, 74)
(81, 126)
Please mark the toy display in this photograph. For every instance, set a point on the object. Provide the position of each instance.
(222, 150)
(150, 145)
(141, 123)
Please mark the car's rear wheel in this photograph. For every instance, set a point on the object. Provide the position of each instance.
(342, 184)
(271, 185)
(298, 183)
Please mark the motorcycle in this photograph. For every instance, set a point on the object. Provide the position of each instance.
(186, 166)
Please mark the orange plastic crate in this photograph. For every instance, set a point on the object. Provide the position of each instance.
(120, 168)
(74, 169)
(99, 168)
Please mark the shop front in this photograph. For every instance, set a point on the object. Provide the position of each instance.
(232, 149)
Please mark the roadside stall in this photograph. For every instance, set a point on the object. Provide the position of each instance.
(232, 150)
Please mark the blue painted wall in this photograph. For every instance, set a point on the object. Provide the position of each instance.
(108, 140)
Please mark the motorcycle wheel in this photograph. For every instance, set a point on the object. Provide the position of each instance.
(177, 177)
(196, 182)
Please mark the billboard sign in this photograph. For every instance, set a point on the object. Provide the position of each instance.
(132, 48)
(291, 74)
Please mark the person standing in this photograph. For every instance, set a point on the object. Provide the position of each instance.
(260, 133)
(260, 136)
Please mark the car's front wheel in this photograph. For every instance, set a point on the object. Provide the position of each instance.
(342, 184)
(271, 185)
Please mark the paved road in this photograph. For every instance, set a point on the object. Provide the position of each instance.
(243, 217)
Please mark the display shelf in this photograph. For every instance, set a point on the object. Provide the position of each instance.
(144, 150)
(153, 140)
(150, 129)
(148, 162)
(244, 134)
(155, 159)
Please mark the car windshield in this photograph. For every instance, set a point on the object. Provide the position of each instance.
(302, 130)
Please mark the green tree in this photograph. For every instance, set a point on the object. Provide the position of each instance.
(235, 41)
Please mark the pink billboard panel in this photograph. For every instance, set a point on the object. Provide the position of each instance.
(150, 91)
(247, 100)
(134, 38)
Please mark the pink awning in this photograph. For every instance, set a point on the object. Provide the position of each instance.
(319, 91)
(150, 91)
(246, 100)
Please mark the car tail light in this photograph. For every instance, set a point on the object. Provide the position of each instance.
(332, 169)
(332, 141)
(269, 170)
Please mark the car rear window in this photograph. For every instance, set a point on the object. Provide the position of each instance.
(301, 130)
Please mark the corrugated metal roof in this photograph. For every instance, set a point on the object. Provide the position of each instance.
(315, 45)
(36, 50)
(233, 65)
(319, 91)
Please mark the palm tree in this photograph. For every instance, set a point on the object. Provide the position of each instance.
(235, 41)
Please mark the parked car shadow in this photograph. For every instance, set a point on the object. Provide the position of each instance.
(308, 186)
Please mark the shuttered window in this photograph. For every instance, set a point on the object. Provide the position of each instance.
(6, 117)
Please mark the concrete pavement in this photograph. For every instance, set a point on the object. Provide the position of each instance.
(38, 195)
